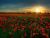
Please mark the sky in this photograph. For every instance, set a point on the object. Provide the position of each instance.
(7, 5)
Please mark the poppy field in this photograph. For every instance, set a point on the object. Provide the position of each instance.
(24, 27)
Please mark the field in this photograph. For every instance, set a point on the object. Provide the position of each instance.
(24, 25)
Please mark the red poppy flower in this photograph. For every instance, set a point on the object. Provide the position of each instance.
(30, 27)
(45, 35)
(1, 23)
(41, 22)
(47, 26)
(12, 25)
(1, 18)
(23, 27)
(24, 19)
(15, 29)
(34, 29)
(25, 34)
(41, 17)
(5, 18)
(43, 30)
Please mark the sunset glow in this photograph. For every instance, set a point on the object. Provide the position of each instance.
(38, 9)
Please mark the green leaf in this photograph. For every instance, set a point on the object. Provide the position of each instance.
(9, 18)
(29, 23)
(3, 34)
(19, 23)
(37, 30)
(33, 26)
(27, 33)
(17, 34)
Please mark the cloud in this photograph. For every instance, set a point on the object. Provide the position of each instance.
(12, 8)
(17, 5)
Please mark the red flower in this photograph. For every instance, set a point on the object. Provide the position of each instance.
(24, 19)
(48, 23)
(12, 25)
(0, 18)
(5, 18)
(34, 29)
(41, 22)
(25, 35)
(45, 35)
(15, 29)
(41, 17)
(43, 30)
(30, 27)
(23, 27)
(47, 26)
(0, 23)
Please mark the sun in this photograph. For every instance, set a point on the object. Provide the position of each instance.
(38, 9)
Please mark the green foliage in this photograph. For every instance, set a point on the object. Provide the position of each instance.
(27, 33)
(37, 30)
(3, 34)
(17, 34)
